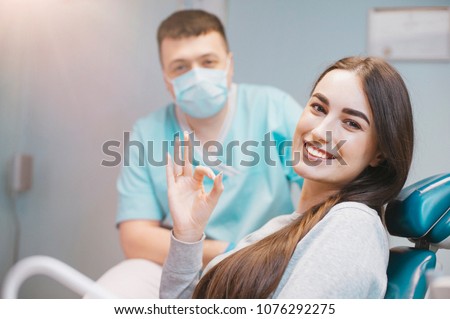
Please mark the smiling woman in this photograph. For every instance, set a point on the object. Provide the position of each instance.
(355, 140)
(338, 140)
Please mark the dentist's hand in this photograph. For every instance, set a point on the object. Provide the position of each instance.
(190, 206)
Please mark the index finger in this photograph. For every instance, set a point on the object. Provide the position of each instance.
(202, 171)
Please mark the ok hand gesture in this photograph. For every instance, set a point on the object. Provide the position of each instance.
(190, 206)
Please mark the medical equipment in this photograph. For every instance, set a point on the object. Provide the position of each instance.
(53, 268)
(420, 213)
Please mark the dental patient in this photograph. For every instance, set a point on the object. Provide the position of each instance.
(353, 146)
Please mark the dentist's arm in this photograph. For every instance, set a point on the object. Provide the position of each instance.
(148, 240)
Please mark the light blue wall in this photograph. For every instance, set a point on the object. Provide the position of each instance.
(287, 43)
(11, 118)
(73, 75)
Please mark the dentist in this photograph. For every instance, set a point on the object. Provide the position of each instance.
(230, 120)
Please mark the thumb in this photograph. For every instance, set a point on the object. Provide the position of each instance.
(169, 171)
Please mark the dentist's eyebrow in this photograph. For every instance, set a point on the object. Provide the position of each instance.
(356, 113)
(177, 61)
(209, 55)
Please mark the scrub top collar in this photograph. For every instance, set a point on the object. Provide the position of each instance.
(232, 101)
(182, 121)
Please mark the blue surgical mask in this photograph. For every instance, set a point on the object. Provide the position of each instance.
(201, 92)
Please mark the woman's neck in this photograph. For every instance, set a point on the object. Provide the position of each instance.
(314, 193)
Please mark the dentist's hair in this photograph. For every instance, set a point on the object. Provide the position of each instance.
(190, 23)
(255, 271)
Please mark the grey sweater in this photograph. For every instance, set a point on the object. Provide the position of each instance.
(344, 256)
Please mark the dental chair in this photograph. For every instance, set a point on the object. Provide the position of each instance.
(420, 213)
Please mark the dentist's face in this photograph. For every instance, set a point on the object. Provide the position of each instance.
(335, 136)
(179, 56)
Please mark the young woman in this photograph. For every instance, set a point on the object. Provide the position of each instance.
(353, 146)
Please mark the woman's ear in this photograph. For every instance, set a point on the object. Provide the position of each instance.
(377, 160)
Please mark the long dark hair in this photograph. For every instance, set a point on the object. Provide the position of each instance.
(255, 271)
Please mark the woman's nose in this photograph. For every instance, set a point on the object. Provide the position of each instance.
(323, 132)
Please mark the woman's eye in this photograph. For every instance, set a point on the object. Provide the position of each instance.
(318, 108)
(353, 124)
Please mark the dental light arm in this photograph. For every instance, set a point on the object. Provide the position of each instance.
(55, 269)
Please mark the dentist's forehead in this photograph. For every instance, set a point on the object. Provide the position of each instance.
(192, 48)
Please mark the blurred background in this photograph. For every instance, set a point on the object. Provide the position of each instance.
(77, 73)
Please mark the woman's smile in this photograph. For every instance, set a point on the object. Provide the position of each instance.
(315, 153)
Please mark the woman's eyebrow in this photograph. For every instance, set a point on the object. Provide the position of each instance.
(346, 110)
(356, 113)
(322, 98)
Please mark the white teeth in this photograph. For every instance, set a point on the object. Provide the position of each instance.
(316, 152)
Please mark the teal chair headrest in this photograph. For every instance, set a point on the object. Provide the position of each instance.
(422, 211)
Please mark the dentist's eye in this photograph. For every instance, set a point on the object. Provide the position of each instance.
(179, 68)
(352, 124)
(318, 108)
(209, 63)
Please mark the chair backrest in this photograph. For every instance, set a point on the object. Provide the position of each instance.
(420, 213)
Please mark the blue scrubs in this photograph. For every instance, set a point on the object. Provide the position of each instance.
(256, 179)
